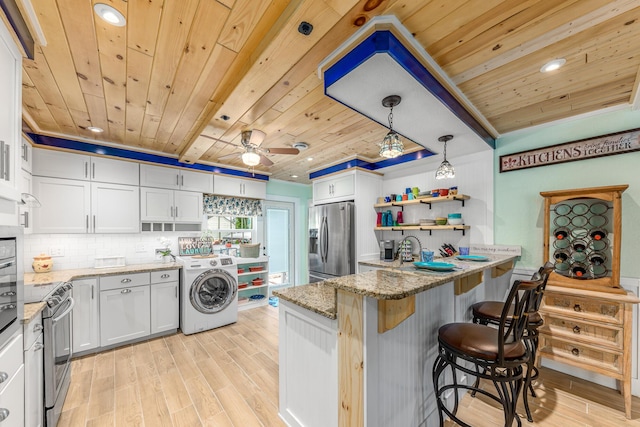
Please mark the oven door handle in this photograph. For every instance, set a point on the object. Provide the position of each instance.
(64, 313)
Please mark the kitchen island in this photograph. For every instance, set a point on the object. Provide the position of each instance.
(358, 350)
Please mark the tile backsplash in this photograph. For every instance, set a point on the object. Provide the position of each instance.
(70, 251)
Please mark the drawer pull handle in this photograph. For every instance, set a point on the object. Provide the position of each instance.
(165, 276)
(125, 291)
(575, 352)
(38, 327)
(577, 307)
(576, 329)
(3, 377)
(38, 347)
(125, 280)
(4, 414)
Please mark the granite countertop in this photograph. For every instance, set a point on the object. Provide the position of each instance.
(33, 309)
(69, 275)
(315, 297)
(387, 283)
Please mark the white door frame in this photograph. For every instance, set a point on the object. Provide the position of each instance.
(296, 238)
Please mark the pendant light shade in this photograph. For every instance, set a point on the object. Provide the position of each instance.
(251, 158)
(391, 146)
(445, 170)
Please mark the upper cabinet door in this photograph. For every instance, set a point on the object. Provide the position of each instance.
(115, 208)
(196, 181)
(159, 177)
(188, 206)
(114, 171)
(66, 205)
(60, 164)
(156, 204)
(238, 187)
(10, 115)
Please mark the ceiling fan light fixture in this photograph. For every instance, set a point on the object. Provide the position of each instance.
(553, 65)
(391, 146)
(445, 170)
(95, 129)
(109, 14)
(251, 158)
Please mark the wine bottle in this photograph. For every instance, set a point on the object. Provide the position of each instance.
(597, 258)
(598, 234)
(579, 270)
(579, 245)
(561, 233)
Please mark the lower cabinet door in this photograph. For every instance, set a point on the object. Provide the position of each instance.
(124, 314)
(164, 307)
(33, 385)
(86, 331)
(12, 401)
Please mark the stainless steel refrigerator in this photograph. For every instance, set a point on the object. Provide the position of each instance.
(331, 241)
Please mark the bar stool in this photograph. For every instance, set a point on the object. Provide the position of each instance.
(497, 354)
(489, 312)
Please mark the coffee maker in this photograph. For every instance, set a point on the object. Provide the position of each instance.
(386, 250)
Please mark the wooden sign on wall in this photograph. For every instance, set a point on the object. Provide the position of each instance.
(606, 145)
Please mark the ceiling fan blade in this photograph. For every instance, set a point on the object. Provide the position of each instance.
(230, 156)
(282, 150)
(264, 161)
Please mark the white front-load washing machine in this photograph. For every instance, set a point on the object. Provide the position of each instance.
(209, 295)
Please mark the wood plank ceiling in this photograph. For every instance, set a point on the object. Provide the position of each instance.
(178, 67)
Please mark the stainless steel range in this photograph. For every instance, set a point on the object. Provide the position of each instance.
(56, 319)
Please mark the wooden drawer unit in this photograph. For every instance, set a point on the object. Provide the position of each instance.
(590, 330)
(584, 308)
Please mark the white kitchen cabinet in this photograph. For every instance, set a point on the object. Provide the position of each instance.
(162, 205)
(115, 208)
(10, 116)
(188, 206)
(33, 373)
(26, 155)
(61, 164)
(238, 187)
(66, 205)
(335, 189)
(175, 179)
(164, 301)
(12, 388)
(124, 314)
(25, 212)
(114, 171)
(86, 320)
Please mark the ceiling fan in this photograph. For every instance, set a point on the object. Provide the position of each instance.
(253, 154)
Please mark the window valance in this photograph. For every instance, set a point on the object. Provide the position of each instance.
(237, 206)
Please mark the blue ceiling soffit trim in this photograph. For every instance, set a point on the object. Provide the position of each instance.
(16, 20)
(385, 42)
(86, 147)
(372, 166)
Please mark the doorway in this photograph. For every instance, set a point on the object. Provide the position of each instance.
(279, 241)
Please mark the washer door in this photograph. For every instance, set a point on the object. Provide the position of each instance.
(213, 291)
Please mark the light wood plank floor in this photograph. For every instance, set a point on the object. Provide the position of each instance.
(229, 377)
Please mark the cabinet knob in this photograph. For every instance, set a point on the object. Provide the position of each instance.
(3, 377)
(575, 351)
(576, 329)
(38, 347)
(4, 414)
(125, 291)
(577, 307)
(125, 281)
(38, 327)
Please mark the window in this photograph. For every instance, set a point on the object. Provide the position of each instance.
(231, 229)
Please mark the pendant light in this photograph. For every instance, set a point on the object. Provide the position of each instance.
(250, 158)
(391, 146)
(445, 170)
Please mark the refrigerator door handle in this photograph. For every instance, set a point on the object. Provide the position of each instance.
(325, 240)
(321, 240)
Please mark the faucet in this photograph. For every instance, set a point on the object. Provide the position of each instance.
(405, 239)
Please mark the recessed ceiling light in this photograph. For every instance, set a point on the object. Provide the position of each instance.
(309, 158)
(553, 65)
(95, 129)
(293, 176)
(109, 14)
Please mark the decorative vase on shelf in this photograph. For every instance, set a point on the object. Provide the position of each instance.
(42, 263)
